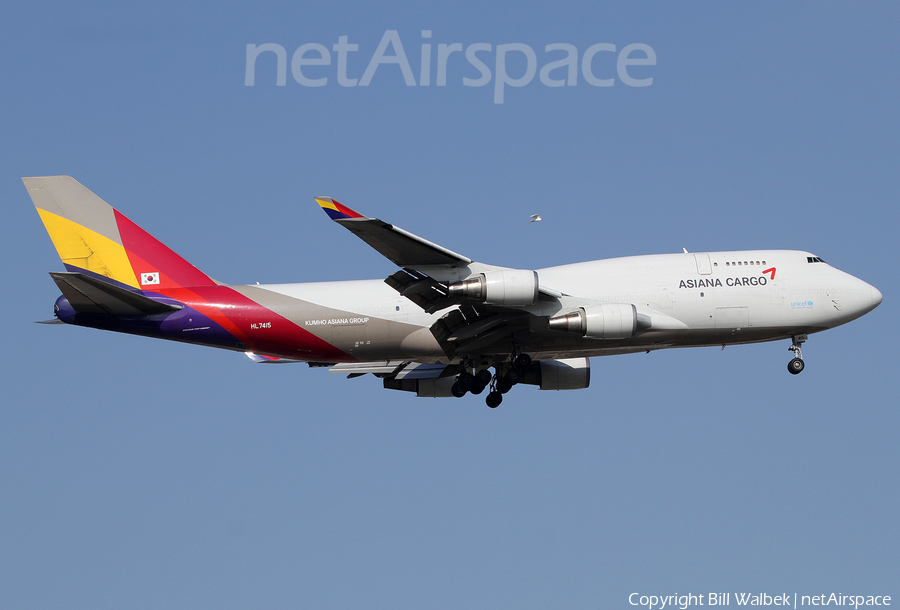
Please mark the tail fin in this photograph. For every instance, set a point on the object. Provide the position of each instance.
(92, 237)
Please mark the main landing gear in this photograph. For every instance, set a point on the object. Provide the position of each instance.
(467, 382)
(507, 375)
(796, 366)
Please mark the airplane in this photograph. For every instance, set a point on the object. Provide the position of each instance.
(440, 324)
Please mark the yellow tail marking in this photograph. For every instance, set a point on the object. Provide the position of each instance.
(79, 246)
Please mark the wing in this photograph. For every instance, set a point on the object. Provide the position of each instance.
(400, 247)
(425, 264)
(487, 310)
(492, 302)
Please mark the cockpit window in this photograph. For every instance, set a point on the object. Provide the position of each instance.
(814, 259)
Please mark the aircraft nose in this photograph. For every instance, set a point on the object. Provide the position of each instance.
(876, 297)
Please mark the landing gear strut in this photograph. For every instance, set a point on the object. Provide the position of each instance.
(796, 366)
(498, 388)
(503, 382)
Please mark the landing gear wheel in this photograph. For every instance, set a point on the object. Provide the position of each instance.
(494, 399)
(795, 366)
(513, 376)
(457, 391)
(465, 380)
(477, 388)
(483, 376)
(522, 361)
(503, 386)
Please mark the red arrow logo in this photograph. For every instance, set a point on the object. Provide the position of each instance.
(770, 270)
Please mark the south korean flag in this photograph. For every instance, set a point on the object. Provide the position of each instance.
(149, 278)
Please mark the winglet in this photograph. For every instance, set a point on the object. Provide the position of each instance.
(336, 210)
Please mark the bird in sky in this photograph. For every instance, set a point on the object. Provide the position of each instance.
(535, 218)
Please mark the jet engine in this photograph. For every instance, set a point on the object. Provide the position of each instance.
(566, 374)
(510, 287)
(604, 321)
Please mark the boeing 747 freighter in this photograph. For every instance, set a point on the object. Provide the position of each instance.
(443, 324)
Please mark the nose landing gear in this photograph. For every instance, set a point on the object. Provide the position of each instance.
(796, 365)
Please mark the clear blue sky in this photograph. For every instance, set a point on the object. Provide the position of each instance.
(142, 474)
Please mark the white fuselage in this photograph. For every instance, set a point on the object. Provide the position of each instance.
(701, 298)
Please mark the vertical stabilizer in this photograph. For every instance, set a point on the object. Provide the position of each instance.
(92, 237)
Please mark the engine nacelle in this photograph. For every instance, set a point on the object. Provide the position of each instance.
(605, 321)
(510, 287)
(424, 388)
(566, 374)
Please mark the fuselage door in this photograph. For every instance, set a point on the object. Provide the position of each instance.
(703, 266)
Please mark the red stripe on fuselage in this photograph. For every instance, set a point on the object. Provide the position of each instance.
(259, 328)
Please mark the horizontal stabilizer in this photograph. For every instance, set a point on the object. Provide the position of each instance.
(401, 247)
(90, 295)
